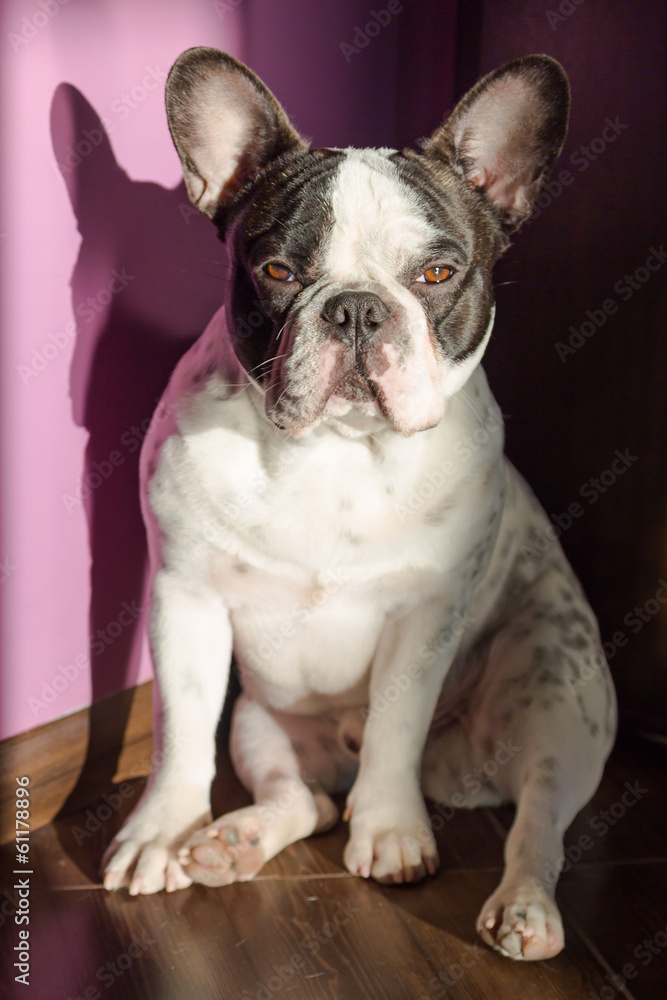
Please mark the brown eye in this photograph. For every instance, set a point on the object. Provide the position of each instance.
(278, 271)
(435, 275)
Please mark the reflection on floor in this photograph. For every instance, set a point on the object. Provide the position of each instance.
(307, 929)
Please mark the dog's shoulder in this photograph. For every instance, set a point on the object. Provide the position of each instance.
(202, 408)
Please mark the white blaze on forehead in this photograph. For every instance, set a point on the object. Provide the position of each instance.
(379, 228)
(378, 225)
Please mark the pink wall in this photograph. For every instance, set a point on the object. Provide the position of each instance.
(109, 275)
(71, 396)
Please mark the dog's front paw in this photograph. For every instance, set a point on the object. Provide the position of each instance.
(522, 921)
(390, 838)
(232, 849)
(143, 855)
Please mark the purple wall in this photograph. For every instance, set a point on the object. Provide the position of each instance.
(349, 78)
(104, 284)
(86, 348)
(108, 276)
(568, 413)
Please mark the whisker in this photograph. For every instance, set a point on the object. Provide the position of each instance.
(280, 397)
(278, 222)
(471, 405)
(268, 361)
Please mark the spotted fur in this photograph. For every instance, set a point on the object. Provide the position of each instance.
(326, 495)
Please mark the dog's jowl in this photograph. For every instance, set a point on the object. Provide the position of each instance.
(326, 497)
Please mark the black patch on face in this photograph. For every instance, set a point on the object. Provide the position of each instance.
(284, 215)
(469, 238)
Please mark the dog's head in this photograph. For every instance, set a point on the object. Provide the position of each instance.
(360, 288)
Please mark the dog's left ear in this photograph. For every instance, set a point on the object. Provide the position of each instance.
(226, 125)
(506, 133)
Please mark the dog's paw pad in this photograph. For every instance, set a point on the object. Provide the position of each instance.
(229, 850)
(523, 924)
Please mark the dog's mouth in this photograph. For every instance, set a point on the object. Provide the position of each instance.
(307, 386)
(355, 388)
(352, 399)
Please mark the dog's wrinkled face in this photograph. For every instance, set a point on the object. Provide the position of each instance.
(374, 289)
(360, 289)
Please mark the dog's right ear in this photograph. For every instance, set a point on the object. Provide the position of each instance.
(225, 125)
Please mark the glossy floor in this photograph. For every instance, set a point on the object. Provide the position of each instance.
(307, 929)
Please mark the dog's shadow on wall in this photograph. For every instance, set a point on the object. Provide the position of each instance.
(149, 275)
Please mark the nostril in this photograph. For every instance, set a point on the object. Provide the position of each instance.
(334, 311)
(376, 312)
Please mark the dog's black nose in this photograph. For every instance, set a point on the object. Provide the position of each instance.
(354, 315)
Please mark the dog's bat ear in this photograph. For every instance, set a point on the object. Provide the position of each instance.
(226, 125)
(507, 132)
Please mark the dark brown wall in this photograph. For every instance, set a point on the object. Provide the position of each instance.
(567, 418)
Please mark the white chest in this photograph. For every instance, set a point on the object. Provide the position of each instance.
(313, 543)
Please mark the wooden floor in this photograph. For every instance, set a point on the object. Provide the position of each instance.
(307, 929)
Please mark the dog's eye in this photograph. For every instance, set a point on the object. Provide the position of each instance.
(278, 271)
(435, 275)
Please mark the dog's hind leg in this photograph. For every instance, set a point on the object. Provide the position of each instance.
(560, 727)
(287, 778)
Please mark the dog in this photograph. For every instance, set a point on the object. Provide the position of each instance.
(327, 498)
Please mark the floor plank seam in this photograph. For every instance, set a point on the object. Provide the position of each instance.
(599, 958)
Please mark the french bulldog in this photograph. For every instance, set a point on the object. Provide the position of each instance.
(327, 498)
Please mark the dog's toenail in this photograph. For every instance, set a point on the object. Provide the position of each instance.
(232, 836)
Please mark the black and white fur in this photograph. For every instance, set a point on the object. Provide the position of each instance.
(326, 496)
